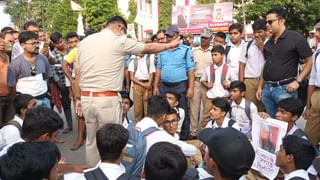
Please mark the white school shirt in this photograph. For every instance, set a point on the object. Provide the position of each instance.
(315, 71)
(203, 174)
(10, 133)
(293, 129)
(254, 62)
(163, 136)
(7, 147)
(224, 124)
(182, 117)
(233, 57)
(297, 173)
(217, 90)
(238, 114)
(112, 171)
(142, 69)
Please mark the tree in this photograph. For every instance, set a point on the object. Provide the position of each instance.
(60, 17)
(205, 1)
(132, 10)
(98, 11)
(301, 14)
(165, 13)
(18, 11)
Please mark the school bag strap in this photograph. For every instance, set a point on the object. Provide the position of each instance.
(223, 75)
(247, 49)
(135, 63)
(14, 123)
(95, 174)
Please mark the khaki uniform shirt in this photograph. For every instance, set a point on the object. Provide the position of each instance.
(101, 60)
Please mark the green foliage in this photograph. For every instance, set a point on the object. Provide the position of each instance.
(60, 17)
(205, 1)
(18, 11)
(301, 14)
(165, 14)
(132, 10)
(98, 11)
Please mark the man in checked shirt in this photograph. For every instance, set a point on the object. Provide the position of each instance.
(60, 50)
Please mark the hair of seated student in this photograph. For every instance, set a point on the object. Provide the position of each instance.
(157, 106)
(292, 105)
(40, 120)
(173, 111)
(221, 103)
(238, 84)
(218, 48)
(29, 160)
(302, 150)
(21, 102)
(111, 139)
(165, 160)
(176, 95)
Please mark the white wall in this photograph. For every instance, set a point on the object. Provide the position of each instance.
(5, 19)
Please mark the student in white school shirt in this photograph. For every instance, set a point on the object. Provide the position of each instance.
(141, 70)
(157, 109)
(220, 115)
(173, 100)
(252, 62)
(235, 46)
(111, 144)
(217, 77)
(10, 133)
(294, 157)
(242, 110)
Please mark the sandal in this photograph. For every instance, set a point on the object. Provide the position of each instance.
(76, 146)
(58, 140)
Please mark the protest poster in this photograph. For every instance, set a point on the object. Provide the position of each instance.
(267, 137)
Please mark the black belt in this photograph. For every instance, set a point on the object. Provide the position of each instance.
(173, 84)
(281, 82)
(257, 78)
(144, 81)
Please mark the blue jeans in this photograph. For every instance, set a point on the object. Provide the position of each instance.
(45, 102)
(271, 95)
(180, 89)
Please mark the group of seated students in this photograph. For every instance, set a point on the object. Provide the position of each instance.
(225, 148)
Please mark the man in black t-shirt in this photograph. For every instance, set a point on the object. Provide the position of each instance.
(282, 53)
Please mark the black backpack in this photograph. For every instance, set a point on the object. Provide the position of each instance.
(97, 174)
(193, 174)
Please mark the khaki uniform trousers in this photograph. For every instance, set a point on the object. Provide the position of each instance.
(251, 89)
(98, 111)
(312, 128)
(140, 99)
(195, 106)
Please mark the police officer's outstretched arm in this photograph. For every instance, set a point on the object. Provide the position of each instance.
(152, 48)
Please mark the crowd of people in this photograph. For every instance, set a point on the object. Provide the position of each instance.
(193, 106)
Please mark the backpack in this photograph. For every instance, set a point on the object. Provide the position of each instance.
(97, 174)
(227, 50)
(136, 150)
(14, 123)
(299, 133)
(135, 61)
(246, 109)
(223, 75)
(193, 174)
(230, 123)
(247, 49)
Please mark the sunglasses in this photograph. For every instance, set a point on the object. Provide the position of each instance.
(33, 71)
(270, 22)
